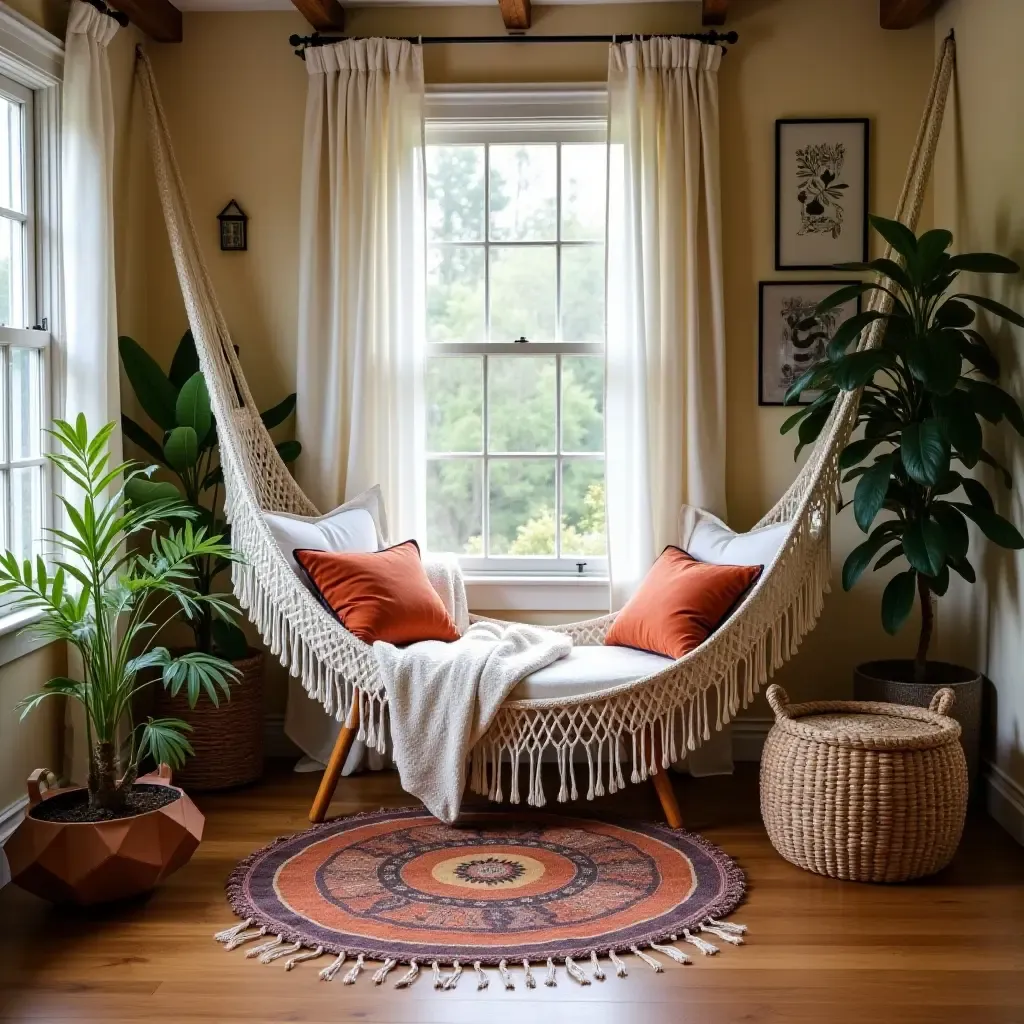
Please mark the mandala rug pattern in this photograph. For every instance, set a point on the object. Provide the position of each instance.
(398, 886)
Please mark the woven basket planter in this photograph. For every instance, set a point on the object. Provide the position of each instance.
(227, 740)
(864, 791)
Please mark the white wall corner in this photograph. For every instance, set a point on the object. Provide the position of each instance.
(1004, 799)
(10, 819)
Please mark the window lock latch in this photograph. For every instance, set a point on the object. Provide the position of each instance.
(522, 341)
(580, 566)
(42, 325)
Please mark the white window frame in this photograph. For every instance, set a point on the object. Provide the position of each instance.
(523, 115)
(33, 62)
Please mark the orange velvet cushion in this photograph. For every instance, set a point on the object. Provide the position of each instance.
(680, 603)
(379, 595)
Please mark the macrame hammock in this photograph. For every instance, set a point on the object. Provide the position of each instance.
(655, 719)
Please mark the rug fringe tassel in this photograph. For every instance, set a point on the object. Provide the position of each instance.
(506, 978)
(707, 948)
(242, 937)
(671, 952)
(481, 976)
(735, 938)
(599, 974)
(453, 979)
(312, 954)
(328, 973)
(384, 970)
(575, 972)
(655, 965)
(275, 954)
(551, 981)
(729, 926)
(436, 968)
(620, 964)
(229, 933)
(530, 980)
(410, 976)
(357, 969)
(265, 948)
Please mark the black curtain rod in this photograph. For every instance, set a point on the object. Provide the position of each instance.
(712, 37)
(118, 16)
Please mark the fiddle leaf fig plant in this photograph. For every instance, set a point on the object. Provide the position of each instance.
(179, 404)
(924, 392)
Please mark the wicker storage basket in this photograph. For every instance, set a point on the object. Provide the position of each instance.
(864, 791)
(227, 740)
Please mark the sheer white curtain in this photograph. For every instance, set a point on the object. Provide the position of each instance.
(90, 367)
(665, 401)
(361, 295)
(665, 362)
(361, 301)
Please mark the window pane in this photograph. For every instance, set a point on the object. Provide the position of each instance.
(582, 404)
(583, 531)
(26, 511)
(454, 507)
(522, 507)
(455, 404)
(521, 403)
(522, 193)
(12, 267)
(583, 192)
(26, 416)
(523, 293)
(12, 192)
(455, 293)
(455, 193)
(583, 293)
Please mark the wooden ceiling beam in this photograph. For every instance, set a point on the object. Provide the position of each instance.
(515, 13)
(323, 15)
(714, 12)
(159, 19)
(899, 14)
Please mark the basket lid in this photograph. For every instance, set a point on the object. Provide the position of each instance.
(868, 725)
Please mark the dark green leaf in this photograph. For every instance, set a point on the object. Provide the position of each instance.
(898, 601)
(156, 394)
(983, 263)
(925, 545)
(924, 451)
(842, 295)
(965, 569)
(939, 583)
(856, 451)
(193, 407)
(998, 467)
(141, 492)
(890, 556)
(931, 247)
(138, 436)
(953, 313)
(181, 449)
(935, 360)
(998, 530)
(954, 528)
(290, 450)
(185, 362)
(229, 641)
(995, 307)
(977, 493)
(994, 403)
(279, 413)
(858, 368)
(849, 330)
(898, 235)
(860, 557)
(961, 424)
(871, 491)
(975, 349)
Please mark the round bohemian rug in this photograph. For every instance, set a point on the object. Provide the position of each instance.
(399, 886)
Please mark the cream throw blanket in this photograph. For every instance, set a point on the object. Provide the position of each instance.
(442, 697)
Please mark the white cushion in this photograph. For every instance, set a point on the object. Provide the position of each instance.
(588, 669)
(706, 538)
(358, 525)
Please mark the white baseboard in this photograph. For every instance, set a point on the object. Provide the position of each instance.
(10, 819)
(1004, 799)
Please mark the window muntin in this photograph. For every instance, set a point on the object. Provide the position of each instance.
(515, 433)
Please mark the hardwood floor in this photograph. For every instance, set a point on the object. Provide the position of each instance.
(947, 949)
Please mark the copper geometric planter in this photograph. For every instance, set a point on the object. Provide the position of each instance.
(97, 862)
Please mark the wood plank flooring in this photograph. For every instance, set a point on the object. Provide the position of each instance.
(947, 949)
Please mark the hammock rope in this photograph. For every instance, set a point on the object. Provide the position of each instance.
(672, 711)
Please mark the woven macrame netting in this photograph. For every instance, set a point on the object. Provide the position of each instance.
(654, 720)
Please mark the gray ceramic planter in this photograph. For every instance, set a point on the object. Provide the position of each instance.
(890, 681)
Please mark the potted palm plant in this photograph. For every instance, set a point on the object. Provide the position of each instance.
(119, 834)
(925, 390)
(228, 741)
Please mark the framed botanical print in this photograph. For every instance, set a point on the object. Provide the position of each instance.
(821, 192)
(787, 344)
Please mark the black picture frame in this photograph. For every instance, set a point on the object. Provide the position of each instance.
(823, 288)
(858, 253)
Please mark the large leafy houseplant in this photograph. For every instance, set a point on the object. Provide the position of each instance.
(924, 392)
(110, 601)
(179, 404)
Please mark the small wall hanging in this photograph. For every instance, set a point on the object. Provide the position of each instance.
(821, 192)
(787, 345)
(234, 228)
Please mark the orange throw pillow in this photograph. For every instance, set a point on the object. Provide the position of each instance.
(680, 603)
(379, 595)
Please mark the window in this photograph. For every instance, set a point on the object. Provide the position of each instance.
(515, 333)
(24, 345)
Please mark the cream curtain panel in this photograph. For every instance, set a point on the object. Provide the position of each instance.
(665, 371)
(91, 371)
(361, 292)
(665, 349)
(361, 302)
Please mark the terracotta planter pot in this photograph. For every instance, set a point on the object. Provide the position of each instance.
(892, 682)
(227, 740)
(99, 862)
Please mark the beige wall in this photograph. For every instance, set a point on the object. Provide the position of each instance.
(978, 196)
(235, 93)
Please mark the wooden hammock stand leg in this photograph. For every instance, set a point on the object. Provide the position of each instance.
(347, 735)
